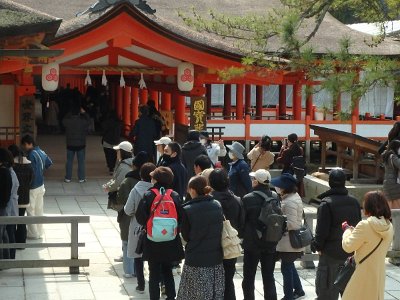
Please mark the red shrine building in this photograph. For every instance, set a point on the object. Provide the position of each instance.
(137, 50)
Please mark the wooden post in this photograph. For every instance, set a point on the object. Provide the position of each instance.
(180, 107)
(166, 101)
(143, 95)
(126, 110)
(259, 102)
(134, 105)
(154, 97)
(119, 101)
(323, 155)
(282, 102)
(247, 105)
(209, 95)
(227, 111)
(239, 101)
(74, 246)
(297, 101)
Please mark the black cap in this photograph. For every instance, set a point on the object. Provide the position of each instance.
(193, 135)
(140, 159)
(337, 178)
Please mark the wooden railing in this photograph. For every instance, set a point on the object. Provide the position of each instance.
(73, 263)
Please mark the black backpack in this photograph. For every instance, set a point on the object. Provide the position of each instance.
(271, 223)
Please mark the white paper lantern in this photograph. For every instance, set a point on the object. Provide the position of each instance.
(50, 76)
(185, 77)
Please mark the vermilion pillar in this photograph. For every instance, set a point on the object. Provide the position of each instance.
(259, 102)
(227, 102)
(297, 101)
(134, 104)
(208, 96)
(180, 106)
(143, 95)
(247, 106)
(282, 102)
(154, 97)
(119, 101)
(126, 109)
(239, 101)
(166, 102)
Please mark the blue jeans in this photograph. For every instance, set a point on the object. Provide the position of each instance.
(127, 262)
(80, 154)
(291, 280)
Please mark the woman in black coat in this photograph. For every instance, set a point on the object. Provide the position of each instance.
(232, 210)
(160, 255)
(202, 222)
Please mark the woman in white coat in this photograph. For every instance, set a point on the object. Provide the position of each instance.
(368, 280)
(292, 207)
(130, 208)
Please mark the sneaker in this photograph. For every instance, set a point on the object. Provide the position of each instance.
(179, 270)
(82, 181)
(140, 289)
(119, 259)
(163, 292)
(128, 275)
(297, 295)
(67, 180)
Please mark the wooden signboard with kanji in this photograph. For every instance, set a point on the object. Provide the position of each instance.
(198, 113)
(27, 115)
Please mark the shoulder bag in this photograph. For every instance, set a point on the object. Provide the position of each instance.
(347, 270)
(230, 241)
(302, 237)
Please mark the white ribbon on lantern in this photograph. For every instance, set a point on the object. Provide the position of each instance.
(142, 84)
(122, 80)
(88, 80)
(104, 79)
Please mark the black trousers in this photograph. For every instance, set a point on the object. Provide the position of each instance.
(139, 271)
(328, 268)
(11, 238)
(155, 270)
(250, 263)
(230, 269)
(20, 234)
(111, 158)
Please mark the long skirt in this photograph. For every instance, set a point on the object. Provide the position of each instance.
(198, 283)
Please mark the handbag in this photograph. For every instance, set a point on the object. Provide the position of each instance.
(347, 270)
(230, 241)
(140, 242)
(300, 238)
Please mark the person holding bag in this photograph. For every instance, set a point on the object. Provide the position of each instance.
(233, 212)
(371, 238)
(292, 207)
(202, 223)
(160, 255)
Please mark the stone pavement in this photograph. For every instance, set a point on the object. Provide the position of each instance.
(103, 278)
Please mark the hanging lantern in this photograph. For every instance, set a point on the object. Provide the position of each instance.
(122, 80)
(104, 79)
(50, 76)
(185, 77)
(88, 80)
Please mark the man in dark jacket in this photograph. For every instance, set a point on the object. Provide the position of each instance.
(160, 255)
(171, 159)
(336, 207)
(76, 129)
(232, 209)
(190, 150)
(111, 137)
(145, 133)
(256, 250)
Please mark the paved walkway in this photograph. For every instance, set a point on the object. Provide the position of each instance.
(103, 279)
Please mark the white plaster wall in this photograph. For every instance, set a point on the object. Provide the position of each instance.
(6, 105)
(277, 130)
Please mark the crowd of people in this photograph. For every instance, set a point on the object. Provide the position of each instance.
(172, 203)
